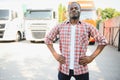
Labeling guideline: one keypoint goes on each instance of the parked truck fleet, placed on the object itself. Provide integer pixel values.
(33, 21)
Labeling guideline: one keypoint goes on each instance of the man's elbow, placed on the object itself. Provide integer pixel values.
(48, 41)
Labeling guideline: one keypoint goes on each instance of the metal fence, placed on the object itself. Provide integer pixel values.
(112, 35)
(111, 30)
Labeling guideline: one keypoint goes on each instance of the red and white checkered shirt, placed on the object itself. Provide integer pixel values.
(81, 42)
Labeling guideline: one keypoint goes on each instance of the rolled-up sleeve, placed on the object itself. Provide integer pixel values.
(49, 38)
(97, 36)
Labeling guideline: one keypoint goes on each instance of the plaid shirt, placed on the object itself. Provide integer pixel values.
(81, 42)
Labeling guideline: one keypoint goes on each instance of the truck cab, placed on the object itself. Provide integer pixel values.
(11, 27)
(38, 23)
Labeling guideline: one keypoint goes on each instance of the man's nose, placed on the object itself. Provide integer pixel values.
(74, 9)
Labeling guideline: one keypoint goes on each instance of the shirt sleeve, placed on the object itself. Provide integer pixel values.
(49, 38)
(97, 36)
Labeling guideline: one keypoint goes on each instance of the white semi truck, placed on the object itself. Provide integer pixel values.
(38, 23)
(11, 27)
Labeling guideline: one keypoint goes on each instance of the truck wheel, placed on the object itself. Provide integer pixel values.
(91, 43)
(18, 37)
(32, 41)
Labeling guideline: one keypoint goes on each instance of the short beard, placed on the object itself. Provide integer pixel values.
(74, 17)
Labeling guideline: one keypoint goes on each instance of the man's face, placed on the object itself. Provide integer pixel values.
(74, 11)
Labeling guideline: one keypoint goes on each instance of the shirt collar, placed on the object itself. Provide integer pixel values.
(67, 22)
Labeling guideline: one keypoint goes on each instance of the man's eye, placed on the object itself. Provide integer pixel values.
(71, 8)
(76, 8)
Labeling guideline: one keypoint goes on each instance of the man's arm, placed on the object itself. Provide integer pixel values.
(97, 51)
(87, 59)
(102, 42)
(49, 42)
(57, 56)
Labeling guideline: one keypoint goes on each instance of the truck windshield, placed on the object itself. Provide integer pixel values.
(38, 14)
(87, 15)
(4, 14)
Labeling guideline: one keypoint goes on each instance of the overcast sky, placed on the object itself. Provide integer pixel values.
(103, 3)
(98, 3)
(108, 3)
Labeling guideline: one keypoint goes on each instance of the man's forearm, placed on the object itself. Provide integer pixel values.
(97, 51)
(57, 56)
(50, 46)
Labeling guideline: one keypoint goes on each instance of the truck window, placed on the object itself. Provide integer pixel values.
(4, 14)
(87, 15)
(41, 14)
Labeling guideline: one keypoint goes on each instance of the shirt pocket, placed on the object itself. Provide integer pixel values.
(83, 37)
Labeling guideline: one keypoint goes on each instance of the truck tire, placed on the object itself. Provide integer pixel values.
(18, 37)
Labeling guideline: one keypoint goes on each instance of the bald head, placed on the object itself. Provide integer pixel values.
(74, 3)
(74, 10)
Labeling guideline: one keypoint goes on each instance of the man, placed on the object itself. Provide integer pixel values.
(73, 43)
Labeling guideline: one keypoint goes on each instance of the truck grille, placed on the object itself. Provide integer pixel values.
(38, 34)
(1, 34)
(38, 30)
(2, 26)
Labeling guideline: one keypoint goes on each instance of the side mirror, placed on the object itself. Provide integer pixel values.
(54, 15)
